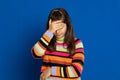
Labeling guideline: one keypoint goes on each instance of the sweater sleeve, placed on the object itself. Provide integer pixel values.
(38, 50)
(76, 67)
(77, 60)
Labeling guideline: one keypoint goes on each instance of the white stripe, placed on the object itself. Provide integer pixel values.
(44, 41)
(39, 49)
(62, 71)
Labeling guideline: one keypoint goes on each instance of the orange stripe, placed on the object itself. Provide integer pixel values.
(78, 56)
(58, 71)
(56, 58)
(46, 37)
(43, 68)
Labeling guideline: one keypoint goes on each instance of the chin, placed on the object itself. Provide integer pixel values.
(59, 36)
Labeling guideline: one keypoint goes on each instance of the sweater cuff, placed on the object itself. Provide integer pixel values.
(49, 34)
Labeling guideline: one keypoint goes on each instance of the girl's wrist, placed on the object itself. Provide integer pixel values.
(50, 31)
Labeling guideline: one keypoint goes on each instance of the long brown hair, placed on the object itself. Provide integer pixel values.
(61, 14)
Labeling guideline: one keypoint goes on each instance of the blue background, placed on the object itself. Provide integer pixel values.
(96, 22)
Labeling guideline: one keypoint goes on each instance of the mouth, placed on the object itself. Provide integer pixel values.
(59, 35)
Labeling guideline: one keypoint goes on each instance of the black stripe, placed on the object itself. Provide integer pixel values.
(54, 64)
(42, 43)
(45, 39)
(62, 77)
(78, 53)
(60, 72)
(64, 70)
(77, 71)
(33, 53)
(80, 61)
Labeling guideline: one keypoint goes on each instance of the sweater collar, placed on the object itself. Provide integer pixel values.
(61, 39)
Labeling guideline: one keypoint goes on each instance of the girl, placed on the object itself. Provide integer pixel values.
(61, 51)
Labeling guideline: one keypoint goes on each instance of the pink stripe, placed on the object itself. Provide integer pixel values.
(79, 50)
(58, 53)
(78, 68)
(79, 41)
(61, 44)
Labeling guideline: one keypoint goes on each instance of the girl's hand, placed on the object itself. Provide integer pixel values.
(45, 74)
(55, 25)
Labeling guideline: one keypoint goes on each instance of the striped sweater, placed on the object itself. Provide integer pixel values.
(63, 65)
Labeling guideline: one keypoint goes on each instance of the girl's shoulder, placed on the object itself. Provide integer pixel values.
(78, 43)
(77, 39)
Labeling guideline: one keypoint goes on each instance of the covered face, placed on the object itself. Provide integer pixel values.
(60, 32)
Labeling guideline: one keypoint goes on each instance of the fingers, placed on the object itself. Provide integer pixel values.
(55, 25)
(50, 21)
(60, 26)
(43, 77)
